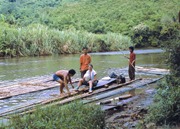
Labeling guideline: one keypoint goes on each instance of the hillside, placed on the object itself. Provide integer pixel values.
(97, 16)
(146, 23)
(117, 16)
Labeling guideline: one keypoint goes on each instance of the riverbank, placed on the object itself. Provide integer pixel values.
(132, 115)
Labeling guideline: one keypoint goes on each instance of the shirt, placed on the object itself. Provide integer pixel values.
(89, 75)
(132, 58)
(85, 60)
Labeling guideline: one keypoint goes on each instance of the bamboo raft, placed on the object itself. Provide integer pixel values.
(102, 92)
(64, 99)
(34, 85)
(37, 84)
(155, 71)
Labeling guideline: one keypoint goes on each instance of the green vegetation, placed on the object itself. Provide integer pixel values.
(144, 22)
(37, 39)
(72, 116)
(166, 109)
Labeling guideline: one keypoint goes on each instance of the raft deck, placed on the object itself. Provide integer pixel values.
(39, 84)
(99, 94)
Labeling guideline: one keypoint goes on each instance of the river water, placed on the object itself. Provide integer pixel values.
(14, 70)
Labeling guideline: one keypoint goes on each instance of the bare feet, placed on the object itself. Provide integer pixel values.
(62, 95)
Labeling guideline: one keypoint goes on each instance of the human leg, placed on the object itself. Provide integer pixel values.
(79, 84)
(90, 86)
(131, 72)
(60, 81)
(61, 86)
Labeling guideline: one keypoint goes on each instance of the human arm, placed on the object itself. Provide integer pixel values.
(70, 81)
(81, 62)
(126, 57)
(95, 78)
(66, 84)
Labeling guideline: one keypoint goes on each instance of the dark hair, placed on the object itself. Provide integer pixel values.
(132, 48)
(84, 48)
(72, 71)
(91, 65)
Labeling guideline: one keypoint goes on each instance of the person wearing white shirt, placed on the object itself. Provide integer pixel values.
(90, 78)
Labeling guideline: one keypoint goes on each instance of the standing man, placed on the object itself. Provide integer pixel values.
(85, 60)
(63, 77)
(132, 59)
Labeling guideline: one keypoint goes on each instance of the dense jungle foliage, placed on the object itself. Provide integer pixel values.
(106, 22)
(166, 109)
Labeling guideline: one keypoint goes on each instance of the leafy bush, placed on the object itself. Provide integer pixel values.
(172, 46)
(166, 109)
(141, 34)
(72, 116)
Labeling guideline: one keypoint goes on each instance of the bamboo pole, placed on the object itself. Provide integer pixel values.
(110, 106)
(122, 97)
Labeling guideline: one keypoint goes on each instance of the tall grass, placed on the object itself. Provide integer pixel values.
(37, 39)
(72, 116)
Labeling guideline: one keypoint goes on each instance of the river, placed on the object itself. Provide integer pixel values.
(15, 70)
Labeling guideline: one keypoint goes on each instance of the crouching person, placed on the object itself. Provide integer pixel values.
(90, 78)
(64, 77)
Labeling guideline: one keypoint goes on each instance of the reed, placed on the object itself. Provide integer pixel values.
(37, 40)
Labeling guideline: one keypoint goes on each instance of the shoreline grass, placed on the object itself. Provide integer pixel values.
(38, 40)
(75, 115)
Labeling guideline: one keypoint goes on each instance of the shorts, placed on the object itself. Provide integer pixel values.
(57, 78)
(83, 72)
(87, 84)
